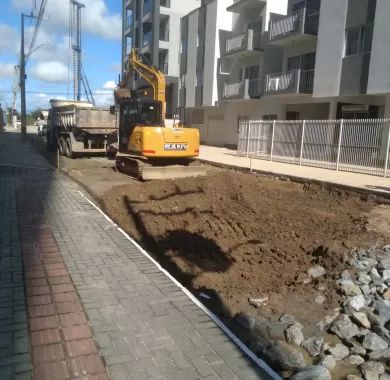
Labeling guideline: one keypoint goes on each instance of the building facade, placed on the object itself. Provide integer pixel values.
(153, 27)
(299, 59)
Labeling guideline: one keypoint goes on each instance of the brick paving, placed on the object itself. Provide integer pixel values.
(95, 303)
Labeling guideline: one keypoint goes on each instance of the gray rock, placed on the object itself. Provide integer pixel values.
(384, 263)
(375, 320)
(357, 302)
(365, 290)
(339, 351)
(258, 302)
(386, 248)
(361, 319)
(344, 328)
(245, 321)
(372, 370)
(355, 348)
(364, 278)
(363, 332)
(374, 342)
(380, 355)
(376, 277)
(320, 299)
(345, 275)
(383, 332)
(382, 308)
(366, 263)
(386, 274)
(317, 372)
(329, 362)
(316, 271)
(353, 361)
(257, 346)
(294, 334)
(288, 320)
(385, 376)
(313, 345)
(350, 289)
(328, 320)
(284, 356)
(354, 377)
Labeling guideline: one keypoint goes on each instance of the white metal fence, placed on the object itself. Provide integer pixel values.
(361, 146)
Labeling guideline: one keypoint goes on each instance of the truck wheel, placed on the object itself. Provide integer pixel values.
(61, 146)
(68, 148)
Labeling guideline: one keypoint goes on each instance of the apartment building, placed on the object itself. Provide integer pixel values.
(300, 59)
(200, 52)
(153, 27)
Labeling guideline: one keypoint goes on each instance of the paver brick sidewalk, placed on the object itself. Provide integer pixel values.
(96, 306)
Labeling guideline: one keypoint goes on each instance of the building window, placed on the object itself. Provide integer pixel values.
(183, 46)
(165, 3)
(358, 40)
(182, 81)
(270, 117)
(199, 77)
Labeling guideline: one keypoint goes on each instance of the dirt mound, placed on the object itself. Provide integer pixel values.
(246, 236)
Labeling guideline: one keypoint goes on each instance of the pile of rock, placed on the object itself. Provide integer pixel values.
(360, 341)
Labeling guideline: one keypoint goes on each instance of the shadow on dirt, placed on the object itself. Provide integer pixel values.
(197, 252)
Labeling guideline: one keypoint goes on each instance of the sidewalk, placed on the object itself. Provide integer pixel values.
(355, 180)
(79, 300)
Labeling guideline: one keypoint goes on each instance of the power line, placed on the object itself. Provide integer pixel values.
(37, 25)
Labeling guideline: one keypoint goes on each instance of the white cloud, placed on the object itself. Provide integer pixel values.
(8, 38)
(96, 17)
(53, 71)
(6, 70)
(110, 85)
(103, 98)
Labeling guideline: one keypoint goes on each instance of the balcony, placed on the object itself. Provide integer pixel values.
(290, 82)
(245, 89)
(164, 34)
(163, 67)
(300, 26)
(241, 6)
(244, 44)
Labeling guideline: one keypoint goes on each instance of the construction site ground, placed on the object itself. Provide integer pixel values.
(237, 235)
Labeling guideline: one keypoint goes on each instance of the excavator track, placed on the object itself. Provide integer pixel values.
(144, 170)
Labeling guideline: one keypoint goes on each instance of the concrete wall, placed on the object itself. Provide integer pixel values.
(298, 49)
(330, 47)
(379, 78)
(191, 57)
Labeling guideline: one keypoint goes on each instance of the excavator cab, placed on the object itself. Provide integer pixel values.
(136, 113)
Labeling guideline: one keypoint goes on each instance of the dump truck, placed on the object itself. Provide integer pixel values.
(76, 127)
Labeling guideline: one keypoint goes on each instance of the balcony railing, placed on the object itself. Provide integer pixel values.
(297, 23)
(147, 40)
(129, 22)
(248, 41)
(164, 34)
(163, 67)
(245, 89)
(148, 6)
(290, 82)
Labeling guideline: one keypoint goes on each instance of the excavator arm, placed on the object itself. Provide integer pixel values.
(149, 73)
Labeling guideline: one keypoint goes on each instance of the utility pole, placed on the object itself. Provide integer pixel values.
(15, 91)
(23, 77)
(23, 81)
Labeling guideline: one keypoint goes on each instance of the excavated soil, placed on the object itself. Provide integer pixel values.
(236, 236)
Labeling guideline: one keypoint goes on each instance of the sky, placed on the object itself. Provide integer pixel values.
(50, 66)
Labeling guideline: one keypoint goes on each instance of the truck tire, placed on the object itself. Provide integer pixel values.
(68, 148)
(62, 146)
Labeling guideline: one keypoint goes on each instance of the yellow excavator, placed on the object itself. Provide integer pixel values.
(148, 149)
